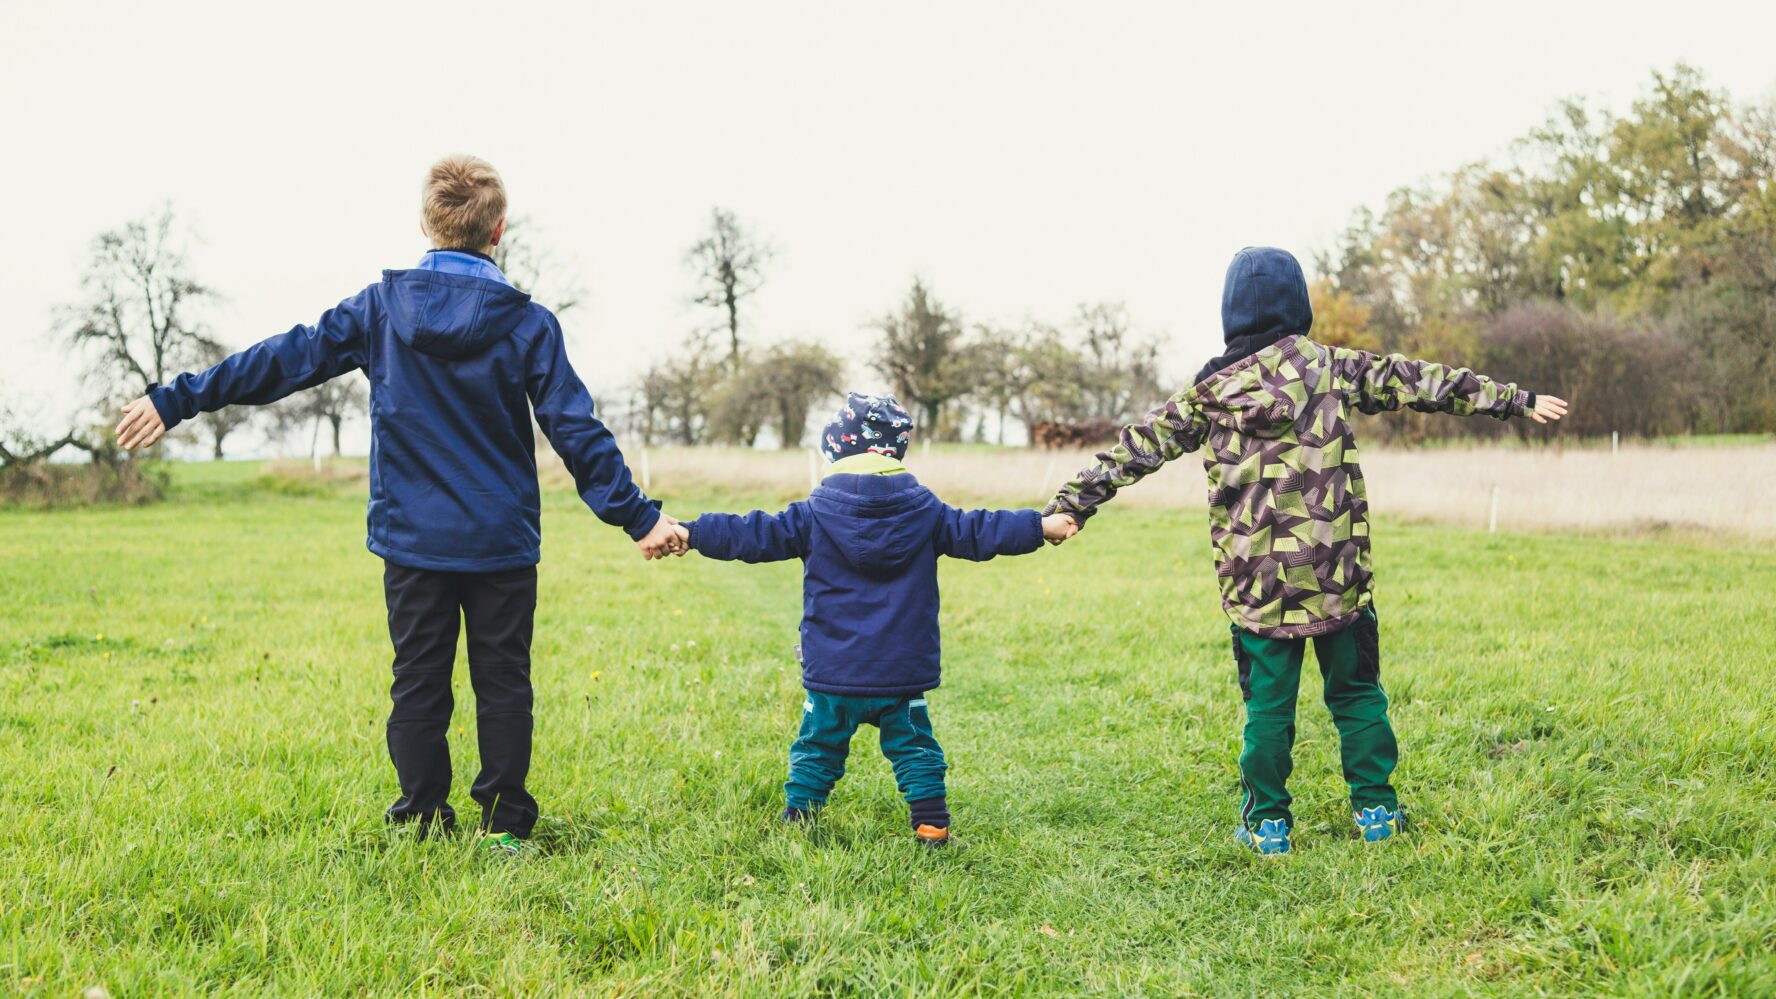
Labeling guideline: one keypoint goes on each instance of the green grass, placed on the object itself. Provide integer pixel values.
(192, 776)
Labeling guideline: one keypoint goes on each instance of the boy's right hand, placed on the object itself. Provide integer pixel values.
(1547, 409)
(1058, 527)
(141, 425)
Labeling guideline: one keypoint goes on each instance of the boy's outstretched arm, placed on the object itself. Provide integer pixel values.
(754, 537)
(565, 412)
(263, 373)
(1176, 428)
(1381, 383)
(979, 535)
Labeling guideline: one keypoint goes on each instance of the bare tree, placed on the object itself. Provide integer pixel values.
(330, 404)
(534, 268)
(140, 315)
(675, 394)
(729, 263)
(1122, 369)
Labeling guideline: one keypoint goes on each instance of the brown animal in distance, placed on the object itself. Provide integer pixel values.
(1057, 436)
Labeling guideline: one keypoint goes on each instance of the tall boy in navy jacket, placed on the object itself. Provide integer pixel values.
(456, 358)
(869, 538)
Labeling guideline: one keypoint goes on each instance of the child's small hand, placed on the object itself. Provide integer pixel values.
(1058, 527)
(669, 537)
(1547, 409)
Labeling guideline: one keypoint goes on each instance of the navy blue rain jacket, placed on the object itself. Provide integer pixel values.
(455, 364)
(869, 545)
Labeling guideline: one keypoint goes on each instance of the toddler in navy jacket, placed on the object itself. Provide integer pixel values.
(869, 538)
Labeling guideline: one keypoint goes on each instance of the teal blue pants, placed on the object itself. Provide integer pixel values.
(817, 757)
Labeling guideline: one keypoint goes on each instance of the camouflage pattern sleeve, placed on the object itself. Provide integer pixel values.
(1173, 429)
(1385, 383)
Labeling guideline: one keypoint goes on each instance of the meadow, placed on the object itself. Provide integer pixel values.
(193, 772)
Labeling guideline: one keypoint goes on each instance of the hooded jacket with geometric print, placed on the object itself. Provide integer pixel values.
(1288, 513)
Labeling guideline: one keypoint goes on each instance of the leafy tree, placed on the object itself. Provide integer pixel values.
(1339, 320)
(790, 380)
(921, 353)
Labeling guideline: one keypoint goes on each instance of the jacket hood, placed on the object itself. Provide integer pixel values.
(1264, 300)
(1245, 399)
(451, 315)
(879, 523)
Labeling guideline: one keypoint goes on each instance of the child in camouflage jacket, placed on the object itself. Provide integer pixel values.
(1290, 522)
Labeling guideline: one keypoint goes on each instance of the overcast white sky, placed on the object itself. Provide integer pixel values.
(1023, 157)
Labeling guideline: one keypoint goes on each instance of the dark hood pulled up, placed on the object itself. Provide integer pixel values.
(1264, 300)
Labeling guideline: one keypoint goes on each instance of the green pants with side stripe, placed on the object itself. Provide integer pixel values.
(1270, 678)
(817, 757)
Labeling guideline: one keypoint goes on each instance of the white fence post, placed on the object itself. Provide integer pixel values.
(1492, 521)
(1615, 441)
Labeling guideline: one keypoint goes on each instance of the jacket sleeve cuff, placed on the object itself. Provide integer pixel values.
(640, 526)
(1034, 530)
(162, 399)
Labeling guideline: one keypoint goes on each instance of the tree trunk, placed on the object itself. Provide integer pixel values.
(216, 451)
(733, 330)
(336, 421)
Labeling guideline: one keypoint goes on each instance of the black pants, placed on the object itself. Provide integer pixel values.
(424, 611)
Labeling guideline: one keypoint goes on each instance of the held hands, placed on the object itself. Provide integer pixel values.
(1058, 527)
(141, 425)
(1547, 409)
(669, 537)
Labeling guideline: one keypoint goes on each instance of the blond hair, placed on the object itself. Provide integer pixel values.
(463, 200)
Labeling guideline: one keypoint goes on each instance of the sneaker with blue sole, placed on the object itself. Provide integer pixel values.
(1270, 839)
(1377, 823)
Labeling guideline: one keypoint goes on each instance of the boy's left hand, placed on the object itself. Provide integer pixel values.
(1548, 409)
(1058, 527)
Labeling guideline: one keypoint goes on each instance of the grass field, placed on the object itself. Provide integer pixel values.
(192, 775)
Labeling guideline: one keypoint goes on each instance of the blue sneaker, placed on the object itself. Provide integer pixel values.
(1378, 823)
(1271, 839)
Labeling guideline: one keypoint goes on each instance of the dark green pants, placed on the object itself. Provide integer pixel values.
(817, 757)
(1270, 677)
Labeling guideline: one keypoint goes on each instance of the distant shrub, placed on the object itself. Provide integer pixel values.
(108, 478)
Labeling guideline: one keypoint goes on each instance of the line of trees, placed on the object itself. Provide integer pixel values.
(961, 381)
(1626, 262)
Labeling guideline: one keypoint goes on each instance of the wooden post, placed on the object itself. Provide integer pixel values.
(1615, 441)
(1492, 521)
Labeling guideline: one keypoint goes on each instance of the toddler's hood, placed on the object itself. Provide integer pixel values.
(879, 523)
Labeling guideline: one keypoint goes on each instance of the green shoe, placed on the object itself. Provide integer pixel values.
(502, 843)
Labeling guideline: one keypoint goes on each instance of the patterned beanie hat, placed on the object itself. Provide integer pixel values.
(868, 424)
